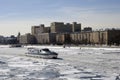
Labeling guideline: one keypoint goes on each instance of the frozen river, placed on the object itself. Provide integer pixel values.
(74, 63)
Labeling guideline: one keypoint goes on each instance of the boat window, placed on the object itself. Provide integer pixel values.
(45, 49)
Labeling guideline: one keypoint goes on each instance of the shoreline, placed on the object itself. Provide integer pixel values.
(68, 45)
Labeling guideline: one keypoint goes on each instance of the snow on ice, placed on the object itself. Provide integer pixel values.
(74, 63)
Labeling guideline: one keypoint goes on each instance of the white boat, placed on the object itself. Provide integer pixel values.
(41, 53)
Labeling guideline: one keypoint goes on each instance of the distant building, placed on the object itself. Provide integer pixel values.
(27, 39)
(18, 37)
(80, 38)
(76, 27)
(10, 40)
(60, 33)
(87, 29)
(108, 37)
(57, 27)
(46, 38)
(113, 37)
(47, 30)
(35, 30)
(63, 38)
(74, 38)
(2, 40)
(60, 27)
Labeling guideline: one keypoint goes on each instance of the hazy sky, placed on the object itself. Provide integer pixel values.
(19, 15)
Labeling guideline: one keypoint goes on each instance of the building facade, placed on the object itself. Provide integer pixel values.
(27, 39)
(76, 27)
(63, 38)
(35, 30)
(87, 29)
(2, 40)
(113, 37)
(60, 27)
(60, 33)
(46, 38)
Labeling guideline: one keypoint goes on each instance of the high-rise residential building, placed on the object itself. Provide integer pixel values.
(60, 27)
(76, 27)
(37, 29)
(57, 27)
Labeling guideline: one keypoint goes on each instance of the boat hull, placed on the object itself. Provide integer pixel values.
(42, 56)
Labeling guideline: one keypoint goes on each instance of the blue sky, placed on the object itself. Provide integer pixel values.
(19, 15)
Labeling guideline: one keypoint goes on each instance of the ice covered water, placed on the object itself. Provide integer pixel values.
(73, 63)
